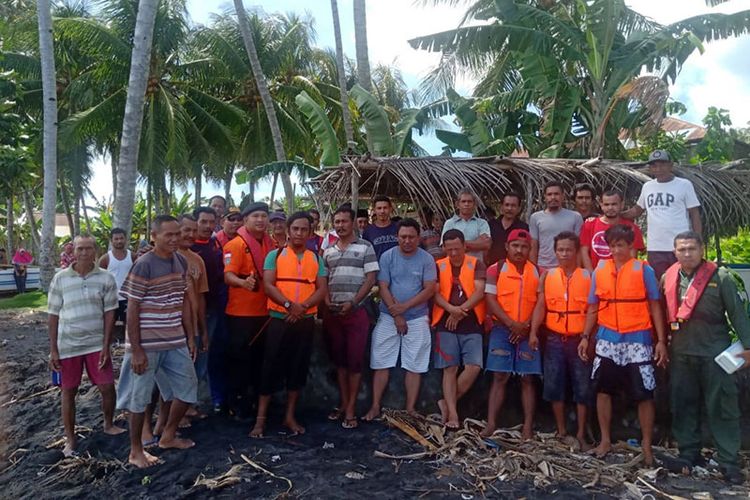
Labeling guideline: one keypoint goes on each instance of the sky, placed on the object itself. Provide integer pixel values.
(719, 77)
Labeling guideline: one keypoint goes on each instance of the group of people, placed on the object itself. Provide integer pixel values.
(228, 295)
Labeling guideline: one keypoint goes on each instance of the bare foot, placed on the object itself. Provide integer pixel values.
(259, 428)
(601, 450)
(648, 456)
(413, 412)
(488, 430)
(373, 414)
(527, 434)
(184, 423)
(453, 424)
(142, 459)
(70, 449)
(585, 446)
(443, 410)
(193, 412)
(291, 424)
(113, 430)
(176, 442)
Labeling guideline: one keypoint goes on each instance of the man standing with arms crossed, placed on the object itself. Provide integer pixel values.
(81, 306)
(159, 344)
(561, 310)
(295, 283)
(476, 231)
(118, 261)
(548, 223)
(593, 245)
(671, 206)
(247, 308)
(511, 296)
(624, 302)
(352, 271)
(457, 316)
(700, 297)
(406, 281)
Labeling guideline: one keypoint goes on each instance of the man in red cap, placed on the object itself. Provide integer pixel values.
(511, 289)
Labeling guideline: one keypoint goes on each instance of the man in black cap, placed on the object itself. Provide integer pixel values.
(672, 207)
(247, 307)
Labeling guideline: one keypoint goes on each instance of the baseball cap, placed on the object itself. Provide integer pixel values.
(277, 216)
(255, 207)
(658, 155)
(519, 234)
(232, 211)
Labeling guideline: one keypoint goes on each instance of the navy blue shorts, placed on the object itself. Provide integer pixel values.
(563, 368)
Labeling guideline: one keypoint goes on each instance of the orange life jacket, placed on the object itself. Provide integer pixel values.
(517, 293)
(294, 278)
(566, 300)
(623, 300)
(465, 278)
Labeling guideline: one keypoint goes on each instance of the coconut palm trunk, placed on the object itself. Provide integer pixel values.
(363, 59)
(132, 122)
(10, 226)
(49, 141)
(265, 96)
(348, 130)
(29, 207)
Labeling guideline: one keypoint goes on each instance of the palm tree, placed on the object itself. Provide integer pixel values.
(363, 59)
(127, 165)
(49, 90)
(579, 64)
(265, 96)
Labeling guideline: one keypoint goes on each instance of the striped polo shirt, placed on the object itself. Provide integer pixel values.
(80, 303)
(159, 285)
(347, 268)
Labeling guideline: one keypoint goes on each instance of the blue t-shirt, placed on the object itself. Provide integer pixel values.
(382, 238)
(405, 276)
(638, 337)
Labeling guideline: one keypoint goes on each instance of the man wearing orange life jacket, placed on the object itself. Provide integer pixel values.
(295, 282)
(700, 297)
(624, 301)
(457, 316)
(561, 312)
(511, 294)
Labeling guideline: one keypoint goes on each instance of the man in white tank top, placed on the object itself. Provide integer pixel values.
(118, 261)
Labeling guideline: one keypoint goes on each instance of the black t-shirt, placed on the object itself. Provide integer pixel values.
(459, 296)
(499, 236)
(213, 257)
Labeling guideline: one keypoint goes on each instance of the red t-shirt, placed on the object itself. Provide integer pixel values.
(592, 236)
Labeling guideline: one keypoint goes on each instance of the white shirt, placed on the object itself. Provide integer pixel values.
(120, 269)
(666, 205)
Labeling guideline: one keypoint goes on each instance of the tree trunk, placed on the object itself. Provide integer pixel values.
(66, 207)
(29, 207)
(49, 153)
(86, 215)
(113, 164)
(170, 194)
(363, 59)
(265, 96)
(228, 182)
(149, 207)
(348, 129)
(76, 213)
(10, 223)
(273, 190)
(127, 165)
(198, 189)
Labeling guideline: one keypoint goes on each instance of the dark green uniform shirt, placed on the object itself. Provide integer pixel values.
(706, 333)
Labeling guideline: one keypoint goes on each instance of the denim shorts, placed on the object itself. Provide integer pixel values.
(563, 368)
(171, 370)
(505, 357)
(457, 349)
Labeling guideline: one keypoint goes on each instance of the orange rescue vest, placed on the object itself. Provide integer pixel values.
(623, 300)
(566, 300)
(517, 293)
(294, 278)
(465, 278)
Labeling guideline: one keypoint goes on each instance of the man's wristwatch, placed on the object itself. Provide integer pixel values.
(287, 304)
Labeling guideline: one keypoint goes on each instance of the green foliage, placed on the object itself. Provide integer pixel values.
(376, 119)
(734, 249)
(321, 127)
(33, 300)
(718, 143)
(673, 143)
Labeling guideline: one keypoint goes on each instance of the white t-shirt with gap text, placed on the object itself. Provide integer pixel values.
(666, 205)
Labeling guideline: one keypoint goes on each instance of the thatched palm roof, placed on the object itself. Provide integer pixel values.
(434, 181)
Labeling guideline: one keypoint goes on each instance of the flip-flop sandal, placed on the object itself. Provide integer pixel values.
(151, 442)
(675, 464)
(350, 423)
(71, 454)
(335, 414)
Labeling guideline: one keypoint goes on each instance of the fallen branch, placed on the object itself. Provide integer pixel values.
(656, 490)
(32, 396)
(259, 467)
(229, 478)
(409, 431)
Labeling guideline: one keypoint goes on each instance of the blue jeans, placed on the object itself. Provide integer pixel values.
(563, 367)
(20, 282)
(212, 364)
(506, 357)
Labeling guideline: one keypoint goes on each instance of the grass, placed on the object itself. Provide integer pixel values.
(35, 300)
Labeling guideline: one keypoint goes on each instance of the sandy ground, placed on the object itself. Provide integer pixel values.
(326, 462)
